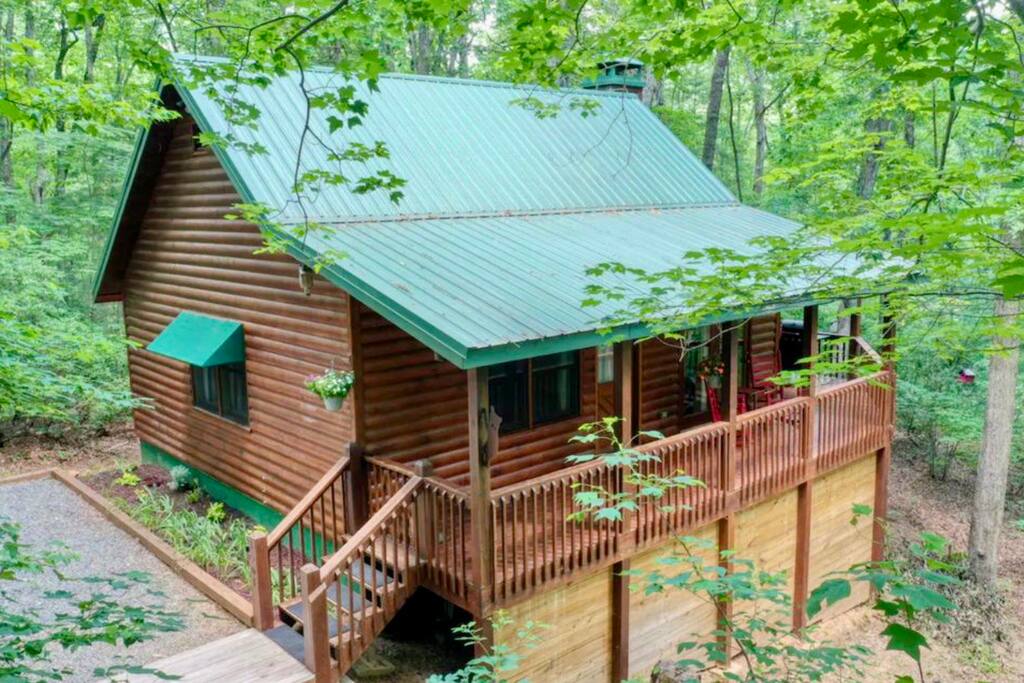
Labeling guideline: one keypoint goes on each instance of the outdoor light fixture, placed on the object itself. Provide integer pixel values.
(306, 276)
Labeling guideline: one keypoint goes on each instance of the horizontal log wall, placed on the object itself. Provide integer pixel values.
(416, 408)
(188, 257)
(661, 387)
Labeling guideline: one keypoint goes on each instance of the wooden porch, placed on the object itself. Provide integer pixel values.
(374, 529)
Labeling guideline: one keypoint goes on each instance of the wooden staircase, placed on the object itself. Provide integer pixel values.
(333, 588)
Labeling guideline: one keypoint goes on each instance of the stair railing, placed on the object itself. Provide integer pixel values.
(371, 576)
(312, 530)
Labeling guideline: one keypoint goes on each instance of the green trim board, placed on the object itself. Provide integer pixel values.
(140, 143)
(260, 513)
(201, 340)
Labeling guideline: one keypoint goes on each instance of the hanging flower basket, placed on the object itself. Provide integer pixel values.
(332, 386)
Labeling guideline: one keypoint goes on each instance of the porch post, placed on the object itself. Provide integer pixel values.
(730, 339)
(481, 547)
(856, 330)
(262, 598)
(625, 355)
(804, 491)
(357, 489)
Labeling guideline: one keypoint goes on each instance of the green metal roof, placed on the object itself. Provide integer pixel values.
(484, 259)
(201, 340)
(464, 147)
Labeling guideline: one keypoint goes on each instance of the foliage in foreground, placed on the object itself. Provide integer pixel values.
(31, 640)
(499, 661)
(210, 541)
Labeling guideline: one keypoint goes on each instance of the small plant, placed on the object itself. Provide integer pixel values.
(499, 661)
(215, 546)
(194, 496)
(332, 386)
(128, 477)
(215, 512)
(182, 479)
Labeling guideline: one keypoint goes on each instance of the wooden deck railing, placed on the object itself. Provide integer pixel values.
(535, 543)
(384, 478)
(698, 453)
(446, 563)
(771, 447)
(853, 418)
(314, 528)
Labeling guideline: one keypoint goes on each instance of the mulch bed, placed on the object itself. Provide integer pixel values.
(157, 480)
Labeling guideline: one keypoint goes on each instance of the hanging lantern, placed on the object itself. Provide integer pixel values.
(966, 376)
(306, 277)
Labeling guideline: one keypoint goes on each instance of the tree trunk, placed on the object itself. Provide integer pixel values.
(994, 462)
(714, 107)
(909, 129)
(6, 125)
(869, 170)
(653, 94)
(93, 32)
(420, 52)
(760, 109)
(37, 186)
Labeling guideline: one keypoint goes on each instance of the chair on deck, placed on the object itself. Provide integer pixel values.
(764, 361)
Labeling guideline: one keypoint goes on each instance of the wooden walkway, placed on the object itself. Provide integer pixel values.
(245, 657)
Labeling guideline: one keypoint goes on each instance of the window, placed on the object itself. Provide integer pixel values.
(605, 364)
(529, 393)
(221, 390)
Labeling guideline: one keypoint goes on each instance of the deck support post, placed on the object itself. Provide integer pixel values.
(731, 332)
(620, 621)
(357, 489)
(315, 636)
(483, 427)
(802, 564)
(262, 599)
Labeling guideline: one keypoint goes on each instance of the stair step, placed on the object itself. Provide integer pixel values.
(288, 640)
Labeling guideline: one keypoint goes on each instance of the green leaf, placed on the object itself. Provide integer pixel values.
(829, 592)
(904, 639)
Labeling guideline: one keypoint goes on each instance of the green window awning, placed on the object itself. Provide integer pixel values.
(201, 340)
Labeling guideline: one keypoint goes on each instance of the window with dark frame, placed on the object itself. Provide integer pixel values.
(221, 390)
(529, 393)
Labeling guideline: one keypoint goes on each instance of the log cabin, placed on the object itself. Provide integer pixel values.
(459, 310)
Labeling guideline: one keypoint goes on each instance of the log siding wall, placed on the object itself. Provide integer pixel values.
(188, 257)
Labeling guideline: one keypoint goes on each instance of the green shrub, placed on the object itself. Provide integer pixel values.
(222, 548)
(215, 512)
(182, 479)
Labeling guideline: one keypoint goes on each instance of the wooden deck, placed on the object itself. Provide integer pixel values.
(245, 657)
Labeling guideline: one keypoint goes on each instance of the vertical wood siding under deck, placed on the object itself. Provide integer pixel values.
(189, 257)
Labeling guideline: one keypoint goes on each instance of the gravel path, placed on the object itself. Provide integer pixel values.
(49, 512)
